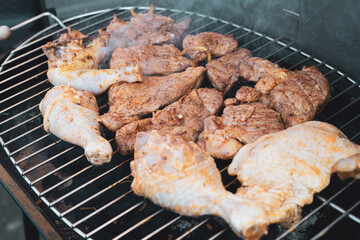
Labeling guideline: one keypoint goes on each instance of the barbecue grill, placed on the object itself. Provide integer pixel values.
(71, 199)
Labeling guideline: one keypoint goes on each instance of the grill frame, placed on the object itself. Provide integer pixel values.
(194, 223)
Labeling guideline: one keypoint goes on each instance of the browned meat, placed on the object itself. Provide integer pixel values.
(224, 72)
(248, 94)
(224, 136)
(72, 34)
(301, 96)
(183, 118)
(147, 28)
(130, 101)
(154, 60)
(267, 74)
(198, 47)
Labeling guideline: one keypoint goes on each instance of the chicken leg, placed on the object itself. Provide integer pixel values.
(73, 64)
(180, 176)
(280, 172)
(70, 115)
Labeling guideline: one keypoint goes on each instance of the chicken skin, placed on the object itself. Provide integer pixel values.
(70, 115)
(281, 172)
(180, 176)
(73, 64)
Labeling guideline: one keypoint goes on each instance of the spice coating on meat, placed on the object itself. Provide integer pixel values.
(224, 136)
(301, 96)
(184, 118)
(198, 46)
(146, 29)
(224, 72)
(70, 115)
(266, 74)
(71, 63)
(281, 172)
(130, 101)
(182, 177)
(154, 60)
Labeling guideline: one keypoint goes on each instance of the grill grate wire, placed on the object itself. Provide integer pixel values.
(98, 201)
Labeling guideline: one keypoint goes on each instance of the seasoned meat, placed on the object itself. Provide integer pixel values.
(224, 136)
(154, 60)
(73, 63)
(128, 102)
(198, 47)
(146, 29)
(70, 115)
(182, 177)
(301, 96)
(184, 118)
(224, 72)
(267, 74)
(248, 94)
(281, 172)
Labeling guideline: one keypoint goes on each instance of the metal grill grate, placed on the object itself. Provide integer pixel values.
(97, 202)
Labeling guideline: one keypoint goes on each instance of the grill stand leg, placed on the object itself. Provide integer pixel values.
(31, 232)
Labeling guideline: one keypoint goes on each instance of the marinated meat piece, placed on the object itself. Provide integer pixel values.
(281, 172)
(73, 64)
(146, 29)
(184, 118)
(207, 44)
(70, 115)
(267, 74)
(128, 102)
(301, 96)
(154, 60)
(182, 177)
(248, 94)
(71, 34)
(224, 136)
(224, 72)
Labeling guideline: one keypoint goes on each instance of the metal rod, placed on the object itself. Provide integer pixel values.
(315, 210)
(327, 228)
(94, 195)
(102, 208)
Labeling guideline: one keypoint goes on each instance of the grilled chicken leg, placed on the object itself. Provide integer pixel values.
(180, 176)
(73, 64)
(70, 115)
(281, 172)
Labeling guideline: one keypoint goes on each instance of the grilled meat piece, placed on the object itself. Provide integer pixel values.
(70, 115)
(266, 74)
(128, 102)
(224, 136)
(73, 64)
(184, 118)
(154, 60)
(301, 96)
(281, 172)
(224, 72)
(298, 98)
(180, 176)
(198, 47)
(146, 29)
(248, 94)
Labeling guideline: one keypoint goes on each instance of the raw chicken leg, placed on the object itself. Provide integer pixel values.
(180, 176)
(281, 172)
(70, 115)
(73, 64)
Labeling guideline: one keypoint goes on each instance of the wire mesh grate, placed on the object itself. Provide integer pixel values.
(97, 202)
